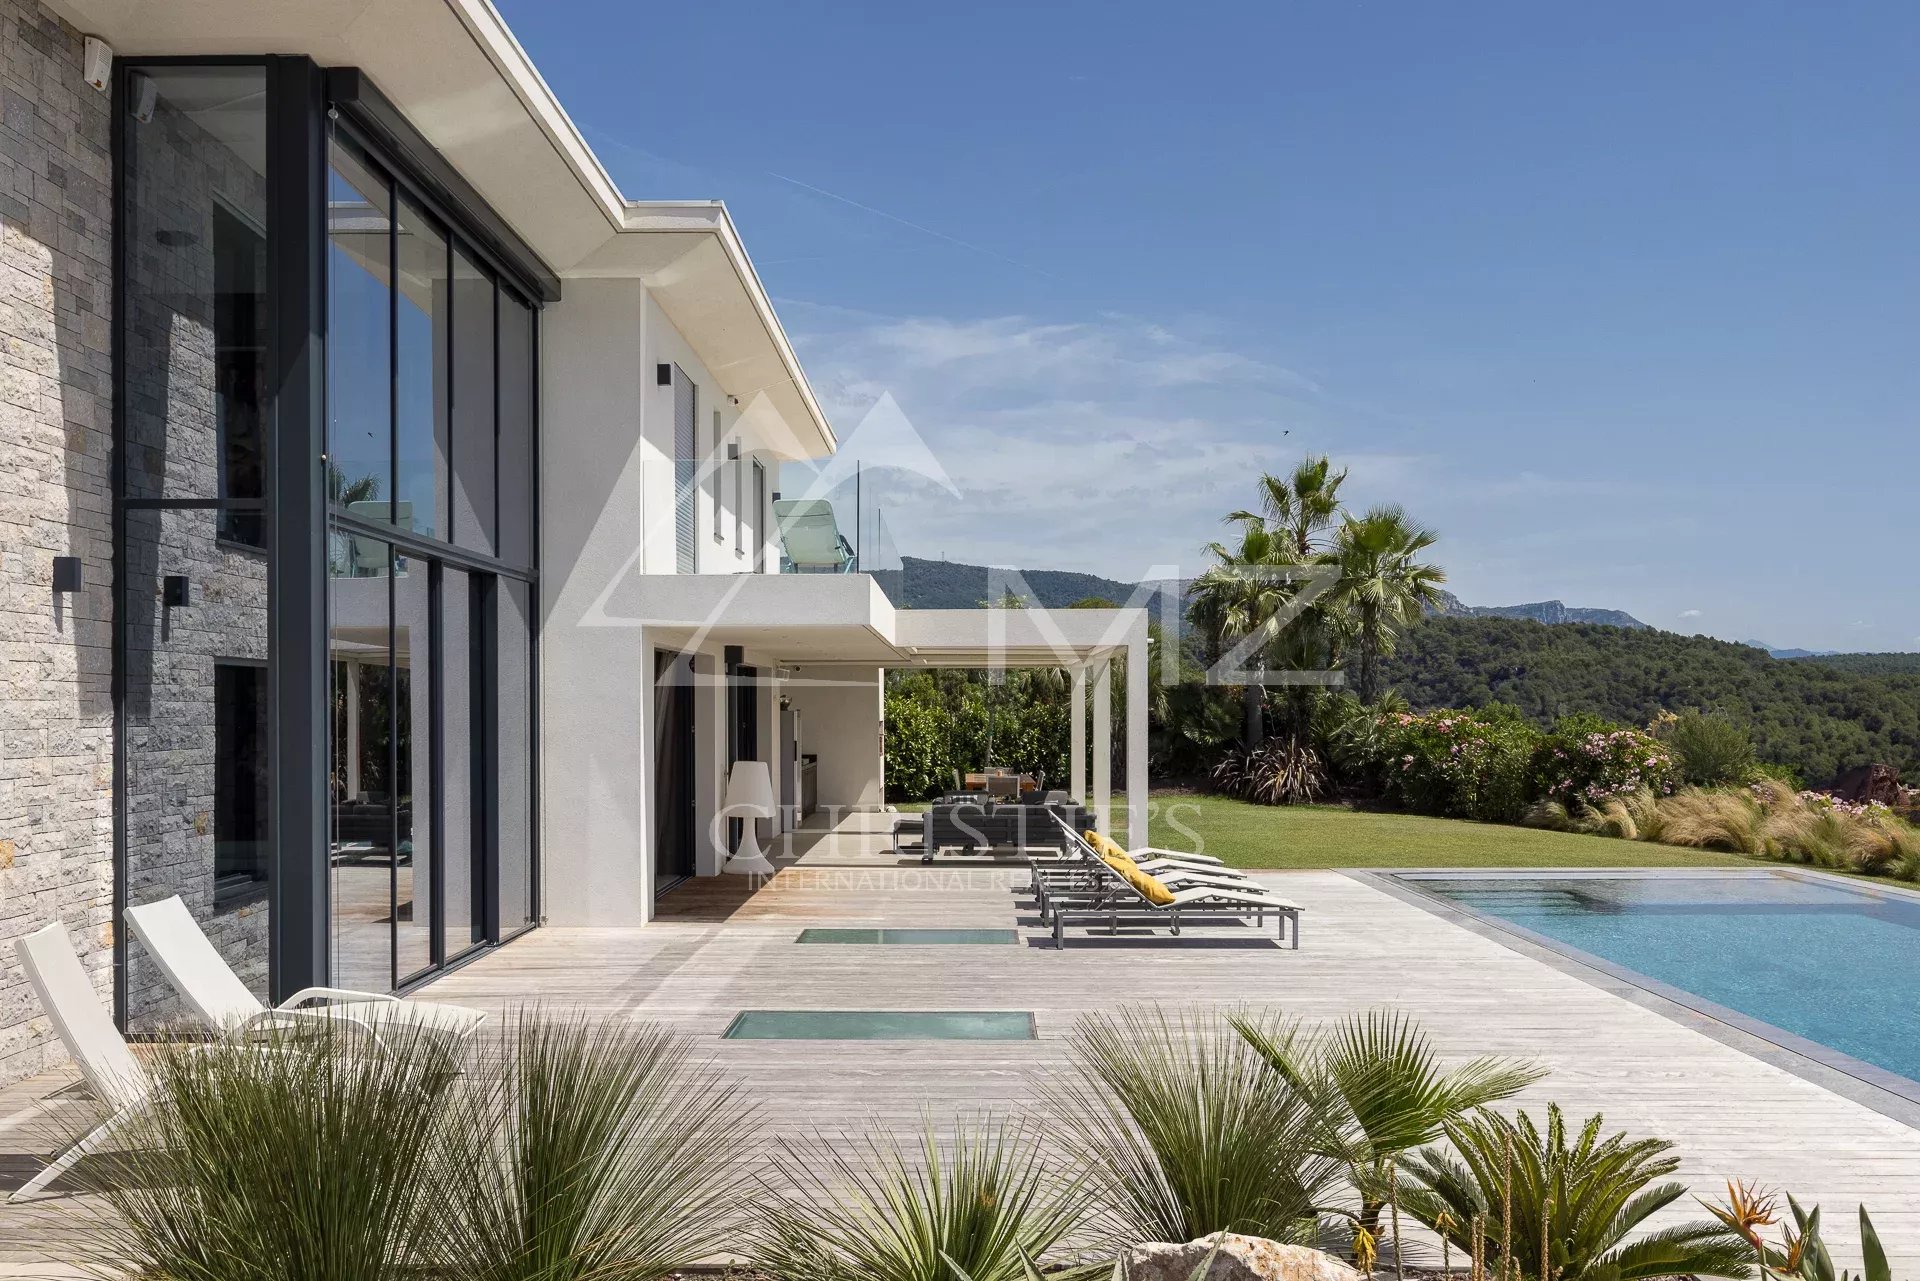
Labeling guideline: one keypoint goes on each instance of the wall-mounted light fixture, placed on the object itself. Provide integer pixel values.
(96, 62)
(663, 375)
(68, 575)
(733, 451)
(174, 592)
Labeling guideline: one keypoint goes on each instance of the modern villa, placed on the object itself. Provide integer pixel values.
(388, 560)
(421, 580)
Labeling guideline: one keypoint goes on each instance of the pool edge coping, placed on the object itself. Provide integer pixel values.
(1885, 1092)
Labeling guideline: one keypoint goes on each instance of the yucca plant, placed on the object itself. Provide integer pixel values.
(983, 1207)
(1191, 1130)
(584, 1150)
(1541, 1208)
(1380, 1089)
(301, 1155)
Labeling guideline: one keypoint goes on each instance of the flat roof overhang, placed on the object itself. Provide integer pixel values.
(462, 81)
(846, 618)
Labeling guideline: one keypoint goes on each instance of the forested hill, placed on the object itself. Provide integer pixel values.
(1813, 715)
(1868, 664)
(941, 584)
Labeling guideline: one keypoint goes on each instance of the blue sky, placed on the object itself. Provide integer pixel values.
(1623, 300)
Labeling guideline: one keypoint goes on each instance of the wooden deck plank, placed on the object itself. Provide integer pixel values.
(724, 945)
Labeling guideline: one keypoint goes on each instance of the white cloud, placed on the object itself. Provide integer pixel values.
(1689, 613)
(1115, 445)
(1112, 445)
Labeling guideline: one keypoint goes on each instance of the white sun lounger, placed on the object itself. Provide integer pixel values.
(208, 984)
(106, 1064)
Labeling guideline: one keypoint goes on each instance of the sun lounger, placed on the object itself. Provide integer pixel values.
(1102, 886)
(208, 984)
(111, 1072)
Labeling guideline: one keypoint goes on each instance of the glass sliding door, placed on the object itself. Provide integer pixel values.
(364, 841)
(431, 413)
(416, 796)
(463, 717)
(513, 751)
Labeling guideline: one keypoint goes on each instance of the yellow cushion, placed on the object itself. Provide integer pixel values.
(1151, 888)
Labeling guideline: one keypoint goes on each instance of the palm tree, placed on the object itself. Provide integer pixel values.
(1241, 596)
(1301, 507)
(1383, 584)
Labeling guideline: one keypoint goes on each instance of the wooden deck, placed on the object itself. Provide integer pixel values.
(723, 945)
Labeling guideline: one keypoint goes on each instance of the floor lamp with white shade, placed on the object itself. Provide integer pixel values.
(749, 796)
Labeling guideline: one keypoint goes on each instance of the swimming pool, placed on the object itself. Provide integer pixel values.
(1813, 957)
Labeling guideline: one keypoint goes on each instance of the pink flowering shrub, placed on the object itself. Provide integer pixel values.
(1491, 764)
(1591, 764)
(1457, 764)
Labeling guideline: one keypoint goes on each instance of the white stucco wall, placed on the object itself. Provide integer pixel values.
(842, 722)
(732, 551)
(595, 672)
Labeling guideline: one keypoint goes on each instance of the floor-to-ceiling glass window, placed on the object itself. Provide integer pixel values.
(431, 420)
(220, 681)
(192, 563)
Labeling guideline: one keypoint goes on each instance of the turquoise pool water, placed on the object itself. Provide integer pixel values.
(1821, 961)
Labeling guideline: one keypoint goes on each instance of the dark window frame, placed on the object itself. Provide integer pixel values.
(298, 107)
(440, 553)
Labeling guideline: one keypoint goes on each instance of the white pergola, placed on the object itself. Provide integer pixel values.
(810, 621)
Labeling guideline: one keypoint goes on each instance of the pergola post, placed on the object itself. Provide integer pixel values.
(1077, 737)
(1103, 745)
(1137, 660)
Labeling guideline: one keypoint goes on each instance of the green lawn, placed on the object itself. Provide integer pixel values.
(1309, 836)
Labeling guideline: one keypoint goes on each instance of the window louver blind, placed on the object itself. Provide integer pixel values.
(686, 470)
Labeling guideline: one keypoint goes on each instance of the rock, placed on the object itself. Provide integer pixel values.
(1241, 1258)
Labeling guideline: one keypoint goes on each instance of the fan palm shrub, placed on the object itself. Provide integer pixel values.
(983, 1207)
(1541, 1205)
(1191, 1130)
(302, 1155)
(1381, 1088)
(603, 1151)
